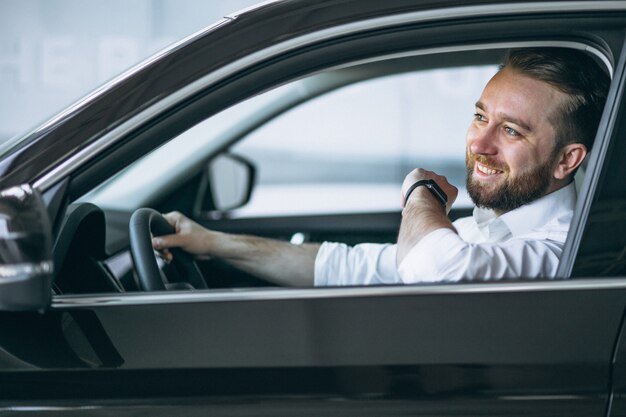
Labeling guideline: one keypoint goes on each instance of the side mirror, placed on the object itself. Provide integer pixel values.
(26, 265)
(226, 184)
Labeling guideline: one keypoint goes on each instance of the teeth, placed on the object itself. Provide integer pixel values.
(486, 170)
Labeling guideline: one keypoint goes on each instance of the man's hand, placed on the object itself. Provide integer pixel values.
(423, 213)
(276, 261)
(425, 196)
(189, 236)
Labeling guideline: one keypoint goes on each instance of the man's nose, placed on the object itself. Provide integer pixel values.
(482, 141)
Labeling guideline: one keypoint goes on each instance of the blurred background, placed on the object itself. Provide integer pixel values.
(53, 52)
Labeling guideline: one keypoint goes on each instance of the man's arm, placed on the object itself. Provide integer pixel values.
(276, 261)
(422, 213)
(524, 257)
(431, 250)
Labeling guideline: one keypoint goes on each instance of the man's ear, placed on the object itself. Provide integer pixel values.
(570, 158)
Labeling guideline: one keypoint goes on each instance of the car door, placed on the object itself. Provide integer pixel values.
(539, 348)
(529, 348)
(543, 348)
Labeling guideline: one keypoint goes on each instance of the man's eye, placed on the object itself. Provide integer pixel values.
(511, 131)
(479, 117)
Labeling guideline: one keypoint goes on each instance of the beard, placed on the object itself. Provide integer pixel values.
(513, 191)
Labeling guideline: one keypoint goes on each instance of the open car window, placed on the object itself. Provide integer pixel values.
(342, 149)
(349, 150)
(334, 143)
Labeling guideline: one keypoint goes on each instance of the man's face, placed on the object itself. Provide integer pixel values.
(511, 152)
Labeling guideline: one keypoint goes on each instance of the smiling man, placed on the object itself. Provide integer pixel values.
(533, 126)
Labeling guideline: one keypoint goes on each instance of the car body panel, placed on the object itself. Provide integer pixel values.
(333, 344)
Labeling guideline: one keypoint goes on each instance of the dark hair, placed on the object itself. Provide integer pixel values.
(574, 73)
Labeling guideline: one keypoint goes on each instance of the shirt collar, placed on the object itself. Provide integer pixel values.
(528, 217)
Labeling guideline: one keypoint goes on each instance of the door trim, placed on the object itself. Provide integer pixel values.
(65, 302)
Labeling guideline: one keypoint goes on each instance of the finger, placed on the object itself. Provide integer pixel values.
(417, 174)
(166, 241)
(166, 255)
(174, 218)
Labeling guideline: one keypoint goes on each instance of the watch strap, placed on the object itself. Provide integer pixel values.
(432, 186)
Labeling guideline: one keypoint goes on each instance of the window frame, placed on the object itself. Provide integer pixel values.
(226, 89)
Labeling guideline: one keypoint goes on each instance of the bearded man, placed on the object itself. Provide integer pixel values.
(533, 126)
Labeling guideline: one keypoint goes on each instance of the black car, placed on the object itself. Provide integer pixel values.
(91, 323)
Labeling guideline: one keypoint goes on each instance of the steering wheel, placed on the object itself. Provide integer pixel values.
(143, 222)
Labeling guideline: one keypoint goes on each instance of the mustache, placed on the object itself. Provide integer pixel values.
(485, 160)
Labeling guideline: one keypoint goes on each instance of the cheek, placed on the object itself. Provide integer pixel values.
(521, 160)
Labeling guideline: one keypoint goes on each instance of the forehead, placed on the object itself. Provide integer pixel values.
(511, 93)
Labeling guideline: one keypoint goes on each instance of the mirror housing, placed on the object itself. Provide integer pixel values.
(226, 184)
(26, 265)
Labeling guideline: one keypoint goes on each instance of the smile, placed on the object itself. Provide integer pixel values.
(487, 170)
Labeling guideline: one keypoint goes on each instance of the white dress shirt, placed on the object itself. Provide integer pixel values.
(526, 242)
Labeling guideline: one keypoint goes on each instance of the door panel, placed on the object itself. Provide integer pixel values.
(478, 348)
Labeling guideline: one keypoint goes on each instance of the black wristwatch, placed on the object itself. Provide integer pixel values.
(432, 187)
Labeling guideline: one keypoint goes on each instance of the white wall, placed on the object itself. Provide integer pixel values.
(52, 52)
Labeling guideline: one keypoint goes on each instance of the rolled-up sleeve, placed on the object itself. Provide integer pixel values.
(443, 256)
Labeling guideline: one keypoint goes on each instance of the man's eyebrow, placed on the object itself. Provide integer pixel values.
(507, 117)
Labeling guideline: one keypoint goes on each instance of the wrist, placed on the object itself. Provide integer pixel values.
(433, 189)
(421, 204)
(213, 244)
